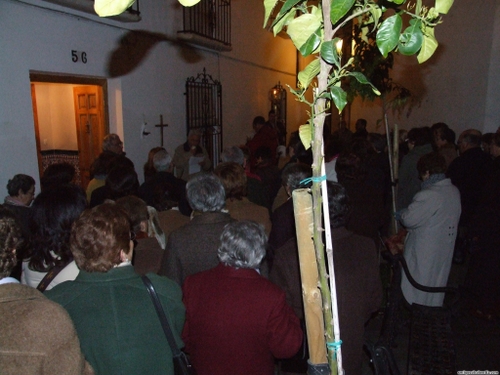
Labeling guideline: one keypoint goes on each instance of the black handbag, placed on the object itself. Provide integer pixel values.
(182, 366)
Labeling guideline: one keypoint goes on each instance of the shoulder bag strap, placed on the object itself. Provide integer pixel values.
(49, 276)
(161, 314)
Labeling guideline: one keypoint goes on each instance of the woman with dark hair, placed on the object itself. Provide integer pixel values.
(36, 335)
(121, 181)
(21, 189)
(116, 321)
(50, 259)
(57, 174)
(234, 179)
(432, 223)
(149, 167)
(419, 144)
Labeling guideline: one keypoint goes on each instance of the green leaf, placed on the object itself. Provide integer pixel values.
(289, 4)
(284, 21)
(269, 7)
(309, 73)
(360, 77)
(339, 9)
(399, 2)
(306, 135)
(109, 8)
(429, 45)
(302, 28)
(388, 34)
(312, 43)
(329, 52)
(411, 39)
(443, 6)
(376, 13)
(339, 97)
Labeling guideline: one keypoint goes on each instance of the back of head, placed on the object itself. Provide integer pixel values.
(294, 174)
(136, 209)
(433, 162)
(57, 174)
(419, 136)
(21, 182)
(205, 193)
(122, 181)
(349, 167)
(233, 178)
(110, 141)
(472, 137)
(338, 204)
(103, 164)
(233, 154)
(162, 160)
(54, 211)
(378, 141)
(11, 240)
(243, 244)
(259, 120)
(98, 236)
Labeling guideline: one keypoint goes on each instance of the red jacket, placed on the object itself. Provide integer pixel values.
(237, 322)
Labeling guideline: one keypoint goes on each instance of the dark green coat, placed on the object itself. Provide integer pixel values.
(116, 322)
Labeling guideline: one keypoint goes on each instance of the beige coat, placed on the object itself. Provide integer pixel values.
(245, 210)
(37, 335)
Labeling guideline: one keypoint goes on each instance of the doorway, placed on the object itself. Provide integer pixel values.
(70, 120)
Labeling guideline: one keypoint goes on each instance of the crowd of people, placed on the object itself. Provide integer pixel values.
(219, 245)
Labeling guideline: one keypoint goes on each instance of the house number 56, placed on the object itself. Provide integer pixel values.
(78, 56)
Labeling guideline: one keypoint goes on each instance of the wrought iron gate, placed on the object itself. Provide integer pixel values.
(204, 112)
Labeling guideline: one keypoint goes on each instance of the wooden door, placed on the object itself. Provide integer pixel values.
(90, 126)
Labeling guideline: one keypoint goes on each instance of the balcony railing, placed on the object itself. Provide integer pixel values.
(208, 23)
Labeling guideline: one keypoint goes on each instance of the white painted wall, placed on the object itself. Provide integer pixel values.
(459, 84)
(56, 117)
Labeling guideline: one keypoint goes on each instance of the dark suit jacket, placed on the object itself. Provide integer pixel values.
(237, 321)
(359, 289)
(193, 247)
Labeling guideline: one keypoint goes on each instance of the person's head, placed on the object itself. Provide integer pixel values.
(233, 154)
(112, 143)
(470, 138)
(137, 211)
(431, 163)
(378, 141)
(121, 181)
(349, 167)
(442, 135)
(162, 161)
(22, 187)
(486, 141)
(54, 211)
(103, 164)
(101, 238)
(205, 193)
(360, 125)
(194, 138)
(297, 151)
(338, 204)
(272, 116)
(293, 176)
(149, 166)
(234, 179)
(418, 137)
(242, 244)
(57, 174)
(495, 145)
(258, 123)
(11, 240)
